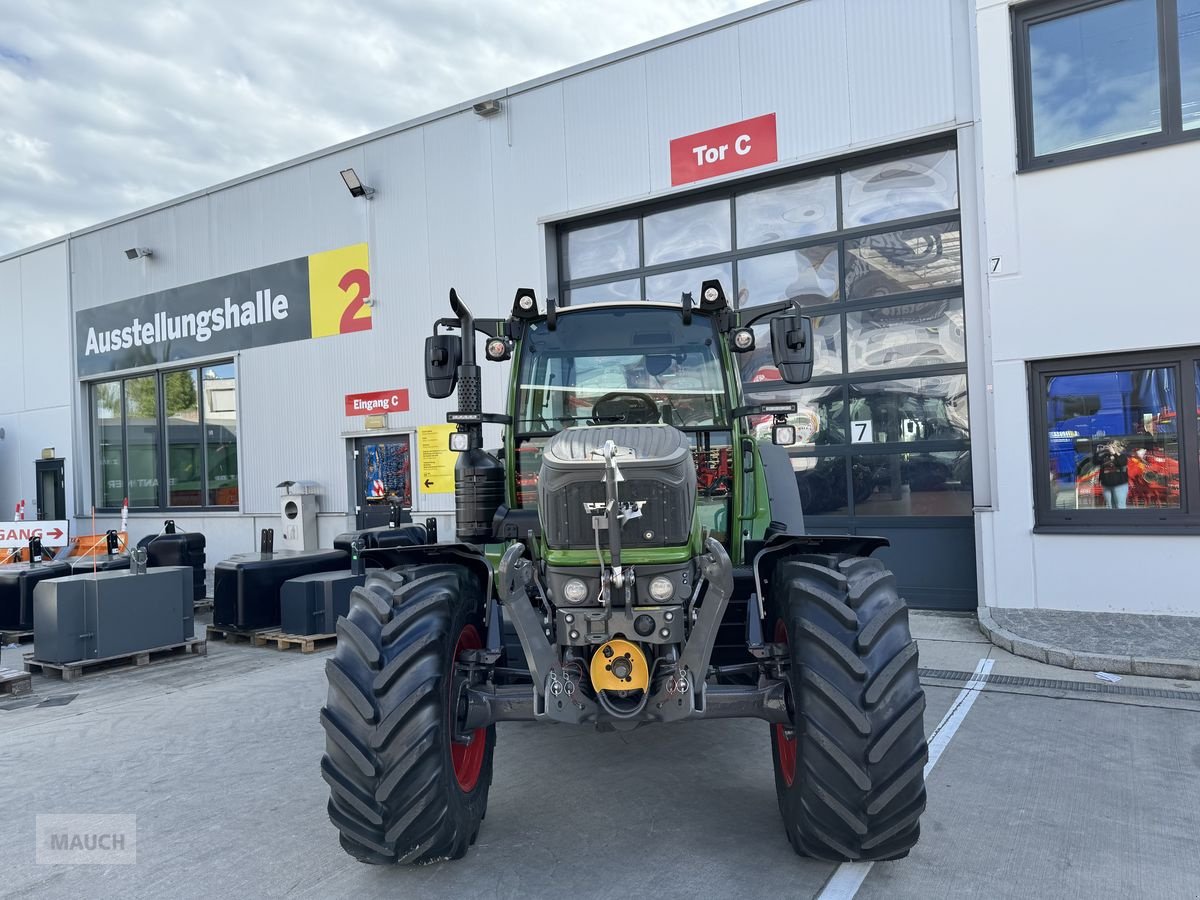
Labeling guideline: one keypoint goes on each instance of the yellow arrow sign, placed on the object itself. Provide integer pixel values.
(436, 459)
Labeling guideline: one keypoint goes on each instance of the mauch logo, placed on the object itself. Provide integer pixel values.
(74, 840)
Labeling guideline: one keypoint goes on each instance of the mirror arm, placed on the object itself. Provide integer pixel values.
(763, 312)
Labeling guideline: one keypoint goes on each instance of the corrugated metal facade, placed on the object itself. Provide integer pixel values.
(463, 200)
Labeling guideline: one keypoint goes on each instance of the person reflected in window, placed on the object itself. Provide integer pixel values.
(1112, 463)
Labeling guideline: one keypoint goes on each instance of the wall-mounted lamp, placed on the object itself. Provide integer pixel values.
(354, 184)
(137, 252)
(487, 108)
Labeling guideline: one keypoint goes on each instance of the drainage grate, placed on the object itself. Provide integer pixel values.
(1079, 687)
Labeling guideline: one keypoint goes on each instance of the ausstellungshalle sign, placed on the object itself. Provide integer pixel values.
(313, 296)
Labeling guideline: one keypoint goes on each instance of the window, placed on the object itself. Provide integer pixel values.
(871, 250)
(1099, 77)
(181, 423)
(1115, 442)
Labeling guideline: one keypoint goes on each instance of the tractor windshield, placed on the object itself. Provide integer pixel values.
(639, 365)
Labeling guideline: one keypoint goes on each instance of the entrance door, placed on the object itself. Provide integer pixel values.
(51, 489)
(383, 480)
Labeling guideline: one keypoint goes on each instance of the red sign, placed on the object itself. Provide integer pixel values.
(377, 402)
(719, 151)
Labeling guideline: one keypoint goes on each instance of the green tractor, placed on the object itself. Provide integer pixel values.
(635, 554)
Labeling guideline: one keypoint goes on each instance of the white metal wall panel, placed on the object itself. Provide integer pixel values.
(901, 57)
(529, 175)
(45, 293)
(10, 466)
(794, 63)
(36, 430)
(604, 112)
(690, 86)
(12, 364)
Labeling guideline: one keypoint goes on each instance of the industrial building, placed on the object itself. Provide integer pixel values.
(915, 173)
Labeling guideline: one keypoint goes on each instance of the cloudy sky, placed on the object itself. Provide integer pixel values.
(107, 106)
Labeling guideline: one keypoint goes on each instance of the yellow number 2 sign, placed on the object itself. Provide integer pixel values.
(338, 282)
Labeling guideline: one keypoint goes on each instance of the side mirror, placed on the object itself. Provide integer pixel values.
(792, 347)
(443, 356)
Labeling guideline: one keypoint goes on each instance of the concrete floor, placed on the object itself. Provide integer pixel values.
(1041, 792)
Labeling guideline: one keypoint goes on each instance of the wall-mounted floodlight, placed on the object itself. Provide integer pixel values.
(487, 108)
(354, 184)
(137, 252)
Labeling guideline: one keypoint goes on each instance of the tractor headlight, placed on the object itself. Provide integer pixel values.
(662, 588)
(575, 591)
(742, 340)
(460, 441)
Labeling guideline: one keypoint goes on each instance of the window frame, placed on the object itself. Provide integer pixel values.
(1171, 131)
(1186, 519)
(162, 458)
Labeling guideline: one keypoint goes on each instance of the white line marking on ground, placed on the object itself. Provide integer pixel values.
(847, 878)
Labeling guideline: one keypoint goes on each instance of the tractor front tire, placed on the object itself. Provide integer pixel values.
(402, 788)
(849, 773)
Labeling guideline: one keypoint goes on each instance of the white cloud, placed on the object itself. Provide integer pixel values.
(111, 107)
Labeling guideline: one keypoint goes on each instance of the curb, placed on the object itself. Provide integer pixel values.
(1064, 657)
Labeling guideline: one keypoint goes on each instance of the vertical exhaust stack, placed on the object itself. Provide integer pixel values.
(478, 475)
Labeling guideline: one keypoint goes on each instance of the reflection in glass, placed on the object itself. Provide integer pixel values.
(630, 289)
(1094, 76)
(670, 286)
(758, 366)
(917, 186)
(141, 430)
(611, 247)
(820, 416)
(1189, 61)
(822, 483)
(528, 466)
(687, 232)
(913, 484)
(909, 410)
(1113, 440)
(220, 429)
(106, 428)
(809, 276)
(787, 212)
(912, 334)
(915, 259)
(185, 445)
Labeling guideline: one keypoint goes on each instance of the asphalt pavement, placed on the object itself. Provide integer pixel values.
(1052, 783)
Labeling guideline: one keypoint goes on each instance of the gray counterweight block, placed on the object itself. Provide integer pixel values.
(311, 604)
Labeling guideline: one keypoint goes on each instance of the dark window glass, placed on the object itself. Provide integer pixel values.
(529, 464)
(915, 259)
(185, 445)
(106, 432)
(912, 484)
(758, 366)
(1094, 76)
(909, 410)
(141, 430)
(687, 232)
(600, 249)
(1189, 61)
(670, 286)
(822, 483)
(808, 276)
(629, 289)
(1113, 440)
(881, 192)
(219, 390)
(787, 212)
(912, 334)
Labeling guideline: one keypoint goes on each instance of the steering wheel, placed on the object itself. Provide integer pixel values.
(631, 409)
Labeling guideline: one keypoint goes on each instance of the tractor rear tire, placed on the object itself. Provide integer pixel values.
(849, 775)
(402, 789)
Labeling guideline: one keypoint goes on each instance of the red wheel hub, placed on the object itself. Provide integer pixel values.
(467, 758)
(786, 746)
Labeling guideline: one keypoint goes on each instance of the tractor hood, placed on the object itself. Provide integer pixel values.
(656, 490)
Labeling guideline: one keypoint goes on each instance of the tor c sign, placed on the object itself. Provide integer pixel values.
(719, 151)
(377, 402)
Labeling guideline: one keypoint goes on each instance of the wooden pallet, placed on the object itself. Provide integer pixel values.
(14, 682)
(15, 637)
(204, 605)
(307, 643)
(72, 670)
(234, 635)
